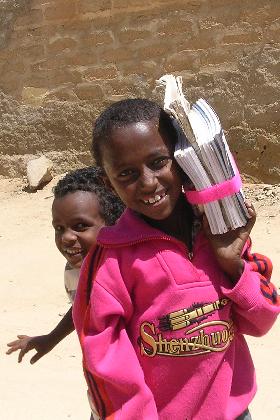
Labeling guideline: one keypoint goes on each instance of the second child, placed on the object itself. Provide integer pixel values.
(81, 206)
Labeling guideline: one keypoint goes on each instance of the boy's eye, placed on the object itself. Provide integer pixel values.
(79, 227)
(58, 229)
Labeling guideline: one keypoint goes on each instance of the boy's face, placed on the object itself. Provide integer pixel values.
(76, 221)
(139, 164)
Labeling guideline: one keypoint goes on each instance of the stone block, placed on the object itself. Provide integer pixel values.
(183, 60)
(152, 50)
(37, 4)
(130, 34)
(91, 40)
(190, 7)
(12, 83)
(176, 25)
(33, 96)
(100, 73)
(43, 75)
(34, 18)
(65, 75)
(124, 4)
(196, 42)
(133, 86)
(148, 68)
(13, 63)
(116, 55)
(96, 22)
(39, 172)
(73, 28)
(242, 38)
(85, 6)
(26, 37)
(88, 91)
(61, 44)
(226, 55)
(81, 58)
(32, 53)
(61, 10)
(61, 93)
(143, 18)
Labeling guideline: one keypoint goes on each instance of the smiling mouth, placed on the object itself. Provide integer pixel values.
(156, 199)
(72, 252)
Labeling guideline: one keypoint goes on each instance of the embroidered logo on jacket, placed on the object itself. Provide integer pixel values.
(206, 337)
(185, 317)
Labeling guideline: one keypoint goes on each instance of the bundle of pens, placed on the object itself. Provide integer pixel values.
(203, 154)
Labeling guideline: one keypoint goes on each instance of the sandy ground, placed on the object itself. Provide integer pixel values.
(33, 301)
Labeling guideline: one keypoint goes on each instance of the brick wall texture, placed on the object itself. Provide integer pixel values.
(63, 61)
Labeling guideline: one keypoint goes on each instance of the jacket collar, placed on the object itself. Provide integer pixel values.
(129, 229)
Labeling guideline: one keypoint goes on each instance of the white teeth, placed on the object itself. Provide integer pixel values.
(155, 199)
(71, 252)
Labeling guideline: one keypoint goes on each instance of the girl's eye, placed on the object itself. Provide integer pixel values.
(160, 162)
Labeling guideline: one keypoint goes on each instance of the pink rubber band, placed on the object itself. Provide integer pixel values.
(215, 192)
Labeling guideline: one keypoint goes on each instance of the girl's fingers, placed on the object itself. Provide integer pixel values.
(250, 208)
(252, 219)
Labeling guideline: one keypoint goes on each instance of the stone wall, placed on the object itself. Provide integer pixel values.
(62, 61)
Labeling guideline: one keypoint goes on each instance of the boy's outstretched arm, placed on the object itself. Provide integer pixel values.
(43, 344)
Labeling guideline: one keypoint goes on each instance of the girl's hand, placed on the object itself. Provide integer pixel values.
(228, 247)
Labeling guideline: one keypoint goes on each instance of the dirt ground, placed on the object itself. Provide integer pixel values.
(33, 301)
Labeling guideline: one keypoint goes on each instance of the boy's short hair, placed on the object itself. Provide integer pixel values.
(90, 179)
(125, 112)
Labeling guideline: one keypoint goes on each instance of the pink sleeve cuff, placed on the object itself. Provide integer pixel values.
(247, 292)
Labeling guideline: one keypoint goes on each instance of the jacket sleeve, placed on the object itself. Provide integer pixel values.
(112, 369)
(256, 301)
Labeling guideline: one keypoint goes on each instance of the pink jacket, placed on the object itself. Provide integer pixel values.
(162, 336)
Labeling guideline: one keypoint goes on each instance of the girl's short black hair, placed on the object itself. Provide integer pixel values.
(123, 113)
(90, 179)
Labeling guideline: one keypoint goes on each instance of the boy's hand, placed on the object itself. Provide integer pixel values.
(42, 344)
(228, 247)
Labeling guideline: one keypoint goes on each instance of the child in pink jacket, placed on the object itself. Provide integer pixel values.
(162, 305)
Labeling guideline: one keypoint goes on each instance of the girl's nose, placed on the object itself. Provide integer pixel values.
(148, 180)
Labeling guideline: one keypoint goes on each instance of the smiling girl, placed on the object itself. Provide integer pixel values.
(162, 329)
